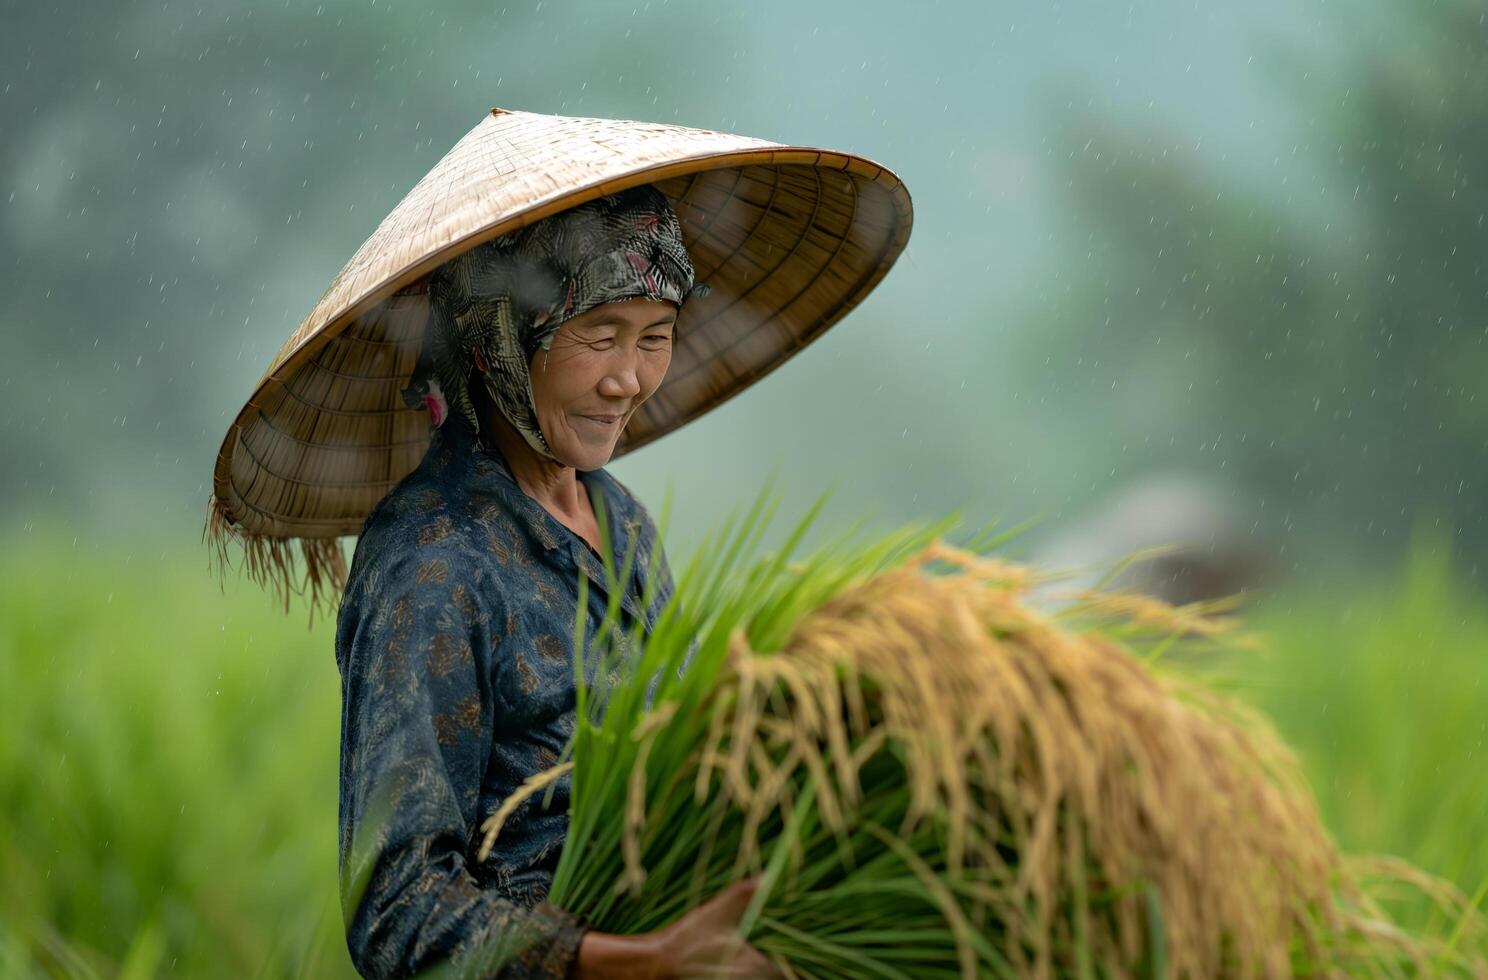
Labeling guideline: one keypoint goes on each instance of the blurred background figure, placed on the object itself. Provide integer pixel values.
(1206, 552)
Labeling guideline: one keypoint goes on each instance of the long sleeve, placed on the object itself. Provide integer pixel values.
(413, 643)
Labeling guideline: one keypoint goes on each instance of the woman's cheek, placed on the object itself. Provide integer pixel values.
(581, 375)
(658, 368)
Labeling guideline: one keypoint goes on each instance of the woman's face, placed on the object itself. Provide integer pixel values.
(603, 364)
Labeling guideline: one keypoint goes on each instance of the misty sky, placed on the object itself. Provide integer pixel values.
(182, 180)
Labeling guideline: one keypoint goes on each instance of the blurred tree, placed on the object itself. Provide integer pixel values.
(1328, 355)
(185, 180)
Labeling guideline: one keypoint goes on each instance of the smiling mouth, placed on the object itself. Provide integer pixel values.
(605, 420)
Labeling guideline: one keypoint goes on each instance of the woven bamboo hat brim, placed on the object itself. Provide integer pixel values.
(789, 238)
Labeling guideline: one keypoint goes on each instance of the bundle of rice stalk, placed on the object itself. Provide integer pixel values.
(938, 779)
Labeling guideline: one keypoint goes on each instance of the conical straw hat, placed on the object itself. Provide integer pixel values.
(789, 238)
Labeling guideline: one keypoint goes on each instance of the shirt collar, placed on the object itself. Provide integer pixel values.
(454, 444)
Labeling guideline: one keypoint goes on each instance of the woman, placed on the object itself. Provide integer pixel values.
(453, 634)
(533, 294)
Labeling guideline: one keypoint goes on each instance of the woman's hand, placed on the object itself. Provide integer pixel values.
(704, 943)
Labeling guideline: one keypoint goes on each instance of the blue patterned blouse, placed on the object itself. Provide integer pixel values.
(454, 643)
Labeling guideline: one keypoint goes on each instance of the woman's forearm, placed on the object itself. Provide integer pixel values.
(603, 954)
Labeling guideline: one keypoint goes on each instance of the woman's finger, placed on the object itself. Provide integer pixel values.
(735, 899)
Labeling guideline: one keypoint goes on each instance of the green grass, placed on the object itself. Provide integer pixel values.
(1384, 693)
(168, 773)
(168, 754)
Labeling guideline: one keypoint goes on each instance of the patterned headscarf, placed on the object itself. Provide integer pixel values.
(493, 307)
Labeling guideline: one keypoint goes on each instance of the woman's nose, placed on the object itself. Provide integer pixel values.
(622, 379)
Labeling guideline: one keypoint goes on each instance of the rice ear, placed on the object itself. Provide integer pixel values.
(271, 562)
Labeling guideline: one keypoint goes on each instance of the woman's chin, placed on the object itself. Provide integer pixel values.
(588, 456)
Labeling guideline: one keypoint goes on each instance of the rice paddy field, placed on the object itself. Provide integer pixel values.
(168, 752)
